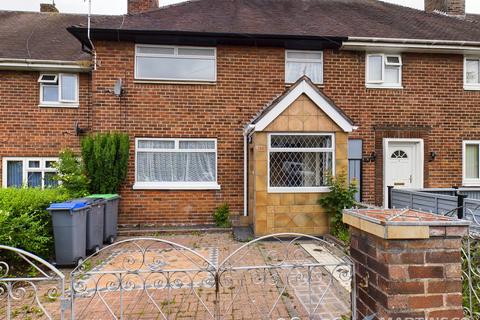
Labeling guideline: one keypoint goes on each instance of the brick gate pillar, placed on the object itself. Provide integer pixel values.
(408, 264)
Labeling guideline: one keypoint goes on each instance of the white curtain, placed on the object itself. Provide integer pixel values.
(473, 71)
(69, 87)
(171, 165)
(295, 70)
(176, 167)
(471, 162)
(375, 63)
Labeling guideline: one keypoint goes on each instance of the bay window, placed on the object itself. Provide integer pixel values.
(172, 63)
(300, 162)
(471, 163)
(59, 90)
(303, 63)
(384, 70)
(29, 172)
(176, 164)
(471, 73)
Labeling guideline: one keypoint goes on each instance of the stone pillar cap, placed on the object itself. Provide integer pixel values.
(403, 223)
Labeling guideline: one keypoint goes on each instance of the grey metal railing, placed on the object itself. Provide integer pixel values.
(462, 203)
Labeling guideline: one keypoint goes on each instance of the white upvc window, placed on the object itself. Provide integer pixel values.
(59, 89)
(471, 73)
(300, 162)
(299, 63)
(173, 63)
(29, 172)
(471, 163)
(383, 70)
(175, 164)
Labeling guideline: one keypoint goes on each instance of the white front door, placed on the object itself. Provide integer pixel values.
(403, 164)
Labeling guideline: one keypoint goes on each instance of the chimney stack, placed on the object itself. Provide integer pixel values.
(48, 7)
(139, 6)
(450, 7)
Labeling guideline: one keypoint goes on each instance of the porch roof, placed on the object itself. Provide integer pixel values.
(303, 86)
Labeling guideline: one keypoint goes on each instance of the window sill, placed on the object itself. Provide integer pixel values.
(60, 105)
(471, 88)
(471, 183)
(182, 82)
(318, 85)
(373, 86)
(176, 186)
(299, 190)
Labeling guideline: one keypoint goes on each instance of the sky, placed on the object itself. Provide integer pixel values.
(120, 6)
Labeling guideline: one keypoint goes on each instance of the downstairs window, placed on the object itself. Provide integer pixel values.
(471, 163)
(300, 162)
(30, 172)
(176, 164)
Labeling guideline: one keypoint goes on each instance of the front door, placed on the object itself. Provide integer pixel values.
(403, 165)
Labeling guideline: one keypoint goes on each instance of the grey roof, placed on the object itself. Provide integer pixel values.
(40, 36)
(329, 18)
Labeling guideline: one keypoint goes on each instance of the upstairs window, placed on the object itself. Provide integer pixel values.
(169, 63)
(384, 70)
(472, 73)
(304, 63)
(59, 89)
(30, 172)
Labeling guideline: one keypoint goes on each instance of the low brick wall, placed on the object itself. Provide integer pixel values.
(407, 275)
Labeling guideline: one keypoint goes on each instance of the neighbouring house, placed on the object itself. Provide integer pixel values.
(249, 102)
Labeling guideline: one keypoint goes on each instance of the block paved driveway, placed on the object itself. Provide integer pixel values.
(249, 291)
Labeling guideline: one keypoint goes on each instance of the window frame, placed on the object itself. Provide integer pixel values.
(304, 60)
(470, 86)
(26, 169)
(60, 103)
(175, 55)
(322, 189)
(469, 182)
(140, 185)
(381, 83)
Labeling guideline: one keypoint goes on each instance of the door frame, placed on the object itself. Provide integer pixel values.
(420, 166)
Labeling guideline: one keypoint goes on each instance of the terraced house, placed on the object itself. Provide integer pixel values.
(249, 102)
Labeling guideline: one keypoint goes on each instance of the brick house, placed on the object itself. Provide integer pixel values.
(242, 102)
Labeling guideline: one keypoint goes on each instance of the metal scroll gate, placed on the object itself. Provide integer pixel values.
(471, 266)
(282, 276)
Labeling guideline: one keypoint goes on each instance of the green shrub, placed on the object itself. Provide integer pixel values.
(341, 196)
(24, 221)
(106, 159)
(70, 172)
(222, 216)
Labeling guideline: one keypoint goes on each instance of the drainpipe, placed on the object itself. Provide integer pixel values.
(246, 132)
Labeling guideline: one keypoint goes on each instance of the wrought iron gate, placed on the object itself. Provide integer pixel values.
(283, 276)
(471, 268)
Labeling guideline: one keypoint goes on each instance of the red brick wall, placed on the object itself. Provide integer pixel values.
(28, 130)
(247, 79)
(137, 6)
(432, 105)
(408, 279)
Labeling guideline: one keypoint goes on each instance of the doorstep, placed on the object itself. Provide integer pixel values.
(142, 230)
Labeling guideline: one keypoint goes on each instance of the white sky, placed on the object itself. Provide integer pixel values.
(120, 6)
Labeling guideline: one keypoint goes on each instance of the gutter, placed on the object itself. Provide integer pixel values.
(206, 38)
(44, 65)
(246, 133)
(418, 45)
